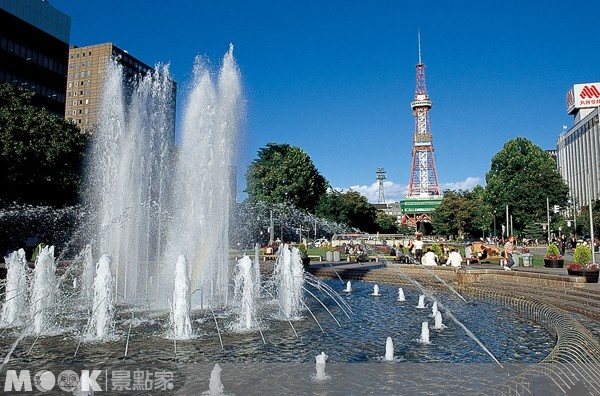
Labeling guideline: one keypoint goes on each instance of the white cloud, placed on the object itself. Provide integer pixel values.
(394, 192)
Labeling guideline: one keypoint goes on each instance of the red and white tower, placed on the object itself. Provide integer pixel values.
(423, 180)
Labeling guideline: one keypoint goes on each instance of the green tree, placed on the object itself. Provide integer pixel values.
(453, 214)
(522, 176)
(285, 174)
(386, 224)
(40, 155)
(350, 208)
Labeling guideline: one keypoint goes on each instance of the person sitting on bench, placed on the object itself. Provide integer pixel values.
(469, 255)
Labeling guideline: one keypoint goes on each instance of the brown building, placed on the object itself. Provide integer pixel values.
(86, 69)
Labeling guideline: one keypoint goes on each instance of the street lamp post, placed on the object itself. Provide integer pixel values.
(494, 226)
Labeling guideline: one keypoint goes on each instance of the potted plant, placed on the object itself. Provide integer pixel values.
(304, 255)
(527, 256)
(583, 264)
(553, 258)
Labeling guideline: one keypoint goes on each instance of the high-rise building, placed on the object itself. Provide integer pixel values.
(86, 69)
(34, 47)
(578, 147)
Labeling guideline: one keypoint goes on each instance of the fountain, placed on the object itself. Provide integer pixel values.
(215, 387)
(389, 349)
(244, 295)
(102, 309)
(401, 295)
(375, 290)
(16, 289)
(438, 321)
(44, 295)
(421, 304)
(348, 288)
(434, 309)
(424, 333)
(321, 359)
(160, 240)
(180, 309)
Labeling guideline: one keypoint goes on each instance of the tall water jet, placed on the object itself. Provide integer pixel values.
(152, 206)
(244, 294)
(181, 304)
(102, 308)
(289, 277)
(15, 304)
(202, 193)
(44, 295)
(129, 167)
(389, 349)
(424, 333)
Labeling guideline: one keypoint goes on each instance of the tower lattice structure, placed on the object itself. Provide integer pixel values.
(380, 178)
(423, 180)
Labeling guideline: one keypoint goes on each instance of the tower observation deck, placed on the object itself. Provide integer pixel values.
(423, 189)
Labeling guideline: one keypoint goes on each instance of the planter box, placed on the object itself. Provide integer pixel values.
(590, 276)
(527, 259)
(552, 263)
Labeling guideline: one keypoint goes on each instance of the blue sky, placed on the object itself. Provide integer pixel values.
(336, 78)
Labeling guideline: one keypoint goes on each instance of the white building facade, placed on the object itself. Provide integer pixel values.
(578, 148)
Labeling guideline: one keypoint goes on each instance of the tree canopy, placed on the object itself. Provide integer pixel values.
(462, 213)
(285, 174)
(349, 208)
(522, 176)
(40, 155)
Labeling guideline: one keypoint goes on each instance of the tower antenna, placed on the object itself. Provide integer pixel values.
(419, 40)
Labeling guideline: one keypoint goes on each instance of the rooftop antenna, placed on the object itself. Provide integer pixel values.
(419, 40)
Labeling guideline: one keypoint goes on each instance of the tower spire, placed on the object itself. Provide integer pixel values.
(423, 181)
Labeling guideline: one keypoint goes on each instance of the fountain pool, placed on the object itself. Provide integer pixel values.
(142, 341)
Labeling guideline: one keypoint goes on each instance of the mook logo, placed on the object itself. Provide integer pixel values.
(45, 381)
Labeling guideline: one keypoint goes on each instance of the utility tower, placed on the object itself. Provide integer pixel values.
(380, 179)
(423, 189)
(423, 178)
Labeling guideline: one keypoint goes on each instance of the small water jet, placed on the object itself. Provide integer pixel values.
(181, 304)
(375, 290)
(438, 321)
(103, 310)
(348, 288)
(421, 304)
(15, 303)
(434, 309)
(389, 349)
(401, 296)
(424, 333)
(215, 387)
(244, 295)
(44, 296)
(288, 275)
(321, 359)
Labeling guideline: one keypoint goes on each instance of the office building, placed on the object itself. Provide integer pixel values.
(578, 148)
(34, 47)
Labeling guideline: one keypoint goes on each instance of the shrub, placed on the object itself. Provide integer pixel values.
(552, 252)
(583, 256)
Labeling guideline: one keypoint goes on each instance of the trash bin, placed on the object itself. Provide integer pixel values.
(336, 256)
(527, 259)
(329, 256)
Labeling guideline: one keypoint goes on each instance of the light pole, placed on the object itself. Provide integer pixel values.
(494, 226)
